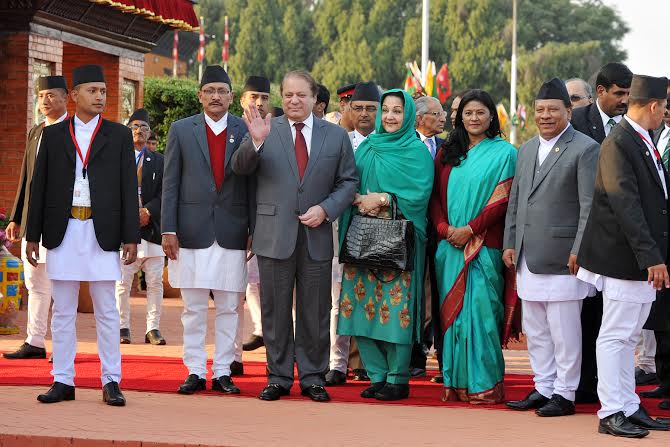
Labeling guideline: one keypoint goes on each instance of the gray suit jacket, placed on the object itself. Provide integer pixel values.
(19, 212)
(549, 205)
(191, 205)
(330, 181)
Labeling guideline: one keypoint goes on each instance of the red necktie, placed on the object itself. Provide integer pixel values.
(300, 149)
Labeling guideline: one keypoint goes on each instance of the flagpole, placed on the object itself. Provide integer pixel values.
(226, 43)
(175, 53)
(425, 29)
(512, 92)
(201, 48)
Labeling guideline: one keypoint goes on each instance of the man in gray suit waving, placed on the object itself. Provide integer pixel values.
(549, 204)
(306, 177)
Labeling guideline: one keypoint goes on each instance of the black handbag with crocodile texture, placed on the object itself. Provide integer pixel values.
(380, 243)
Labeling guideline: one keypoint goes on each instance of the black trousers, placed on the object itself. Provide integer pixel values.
(662, 358)
(592, 316)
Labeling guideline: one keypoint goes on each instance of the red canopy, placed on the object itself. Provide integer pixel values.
(175, 13)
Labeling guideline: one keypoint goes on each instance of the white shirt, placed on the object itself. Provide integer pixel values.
(306, 131)
(605, 117)
(664, 139)
(424, 139)
(47, 123)
(547, 145)
(650, 151)
(357, 138)
(217, 126)
(83, 132)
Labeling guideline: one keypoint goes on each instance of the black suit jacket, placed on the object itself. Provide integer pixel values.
(112, 181)
(587, 120)
(152, 191)
(19, 212)
(627, 230)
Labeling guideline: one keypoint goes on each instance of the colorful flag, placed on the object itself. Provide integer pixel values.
(410, 85)
(503, 117)
(226, 44)
(430, 78)
(201, 49)
(521, 113)
(442, 85)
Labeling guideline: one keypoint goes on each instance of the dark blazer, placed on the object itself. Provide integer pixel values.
(627, 230)
(587, 120)
(192, 207)
(152, 191)
(330, 181)
(19, 212)
(112, 181)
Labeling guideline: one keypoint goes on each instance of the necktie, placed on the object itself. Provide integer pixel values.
(301, 155)
(610, 123)
(140, 164)
(431, 146)
(666, 155)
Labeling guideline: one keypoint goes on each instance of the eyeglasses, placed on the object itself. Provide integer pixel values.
(436, 114)
(369, 109)
(220, 91)
(142, 127)
(575, 98)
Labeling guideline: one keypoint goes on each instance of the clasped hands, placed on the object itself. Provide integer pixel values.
(370, 204)
(456, 236)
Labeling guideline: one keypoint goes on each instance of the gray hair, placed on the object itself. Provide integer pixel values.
(423, 102)
(587, 87)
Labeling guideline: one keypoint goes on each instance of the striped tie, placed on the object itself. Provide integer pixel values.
(665, 158)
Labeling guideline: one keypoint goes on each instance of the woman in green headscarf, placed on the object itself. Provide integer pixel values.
(384, 316)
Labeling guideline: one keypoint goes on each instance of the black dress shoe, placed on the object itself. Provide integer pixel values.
(417, 372)
(57, 393)
(664, 405)
(586, 397)
(360, 375)
(437, 379)
(125, 336)
(369, 392)
(154, 337)
(335, 377)
(618, 425)
(192, 384)
(641, 419)
(51, 358)
(557, 406)
(645, 378)
(659, 392)
(111, 393)
(273, 391)
(317, 393)
(26, 351)
(533, 400)
(236, 369)
(392, 391)
(225, 385)
(253, 343)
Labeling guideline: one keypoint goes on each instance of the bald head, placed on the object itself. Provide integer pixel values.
(581, 93)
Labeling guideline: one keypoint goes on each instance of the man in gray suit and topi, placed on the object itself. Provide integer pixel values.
(306, 177)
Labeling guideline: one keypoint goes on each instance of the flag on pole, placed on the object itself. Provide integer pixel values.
(226, 45)
(523, 118)
(430, 78)
(442, 84)
(201, 49)
(503, 117)
(175, 53)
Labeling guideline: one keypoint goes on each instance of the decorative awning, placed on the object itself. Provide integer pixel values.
(175, 13)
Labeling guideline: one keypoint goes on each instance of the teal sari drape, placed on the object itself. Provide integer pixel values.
(471, 280)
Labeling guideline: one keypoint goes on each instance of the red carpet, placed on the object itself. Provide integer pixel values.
(165, 374)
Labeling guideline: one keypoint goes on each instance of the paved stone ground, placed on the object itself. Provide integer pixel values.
(218, 420)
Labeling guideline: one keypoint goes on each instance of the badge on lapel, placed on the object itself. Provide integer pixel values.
(148, 159)
(556, 149)
(232, 140)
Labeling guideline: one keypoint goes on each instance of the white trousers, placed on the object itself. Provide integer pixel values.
(39, 302)
(339, 344)
(254, 305)
(153, 275)
(194, 320)
(554, 336)
(619, 334)
(646, 352)
(64, 329)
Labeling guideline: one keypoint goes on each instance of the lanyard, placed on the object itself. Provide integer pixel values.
(657, 155)
(84, 161)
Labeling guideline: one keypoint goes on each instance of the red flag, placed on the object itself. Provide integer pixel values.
(443, 85)
(201, 50)
(226, 43)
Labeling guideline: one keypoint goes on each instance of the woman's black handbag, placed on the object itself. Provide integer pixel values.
(379, 243)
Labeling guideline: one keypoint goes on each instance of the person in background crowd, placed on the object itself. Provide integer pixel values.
(86, 168)
(473, 177)
(453, 109)
(322, 101)
(52, 102)
(548, 207)
(382, 309)
(430, 120)
(581, 93)
(596, 121)
(152, 141)
(363, 106)
(342, 117)
(150, 256)
(206, 230)
(624, 253)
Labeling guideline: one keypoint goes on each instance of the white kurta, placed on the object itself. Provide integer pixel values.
(79, 256)
(540, 287)
(214, 268)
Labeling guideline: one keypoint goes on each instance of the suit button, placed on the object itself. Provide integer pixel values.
(665, 234)
(300, 190)
(664, 211)
(212, 189)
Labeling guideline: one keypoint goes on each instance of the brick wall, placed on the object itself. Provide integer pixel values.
(156, 65)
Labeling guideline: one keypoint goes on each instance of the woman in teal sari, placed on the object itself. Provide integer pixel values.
(473, 175)
(384, 315)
